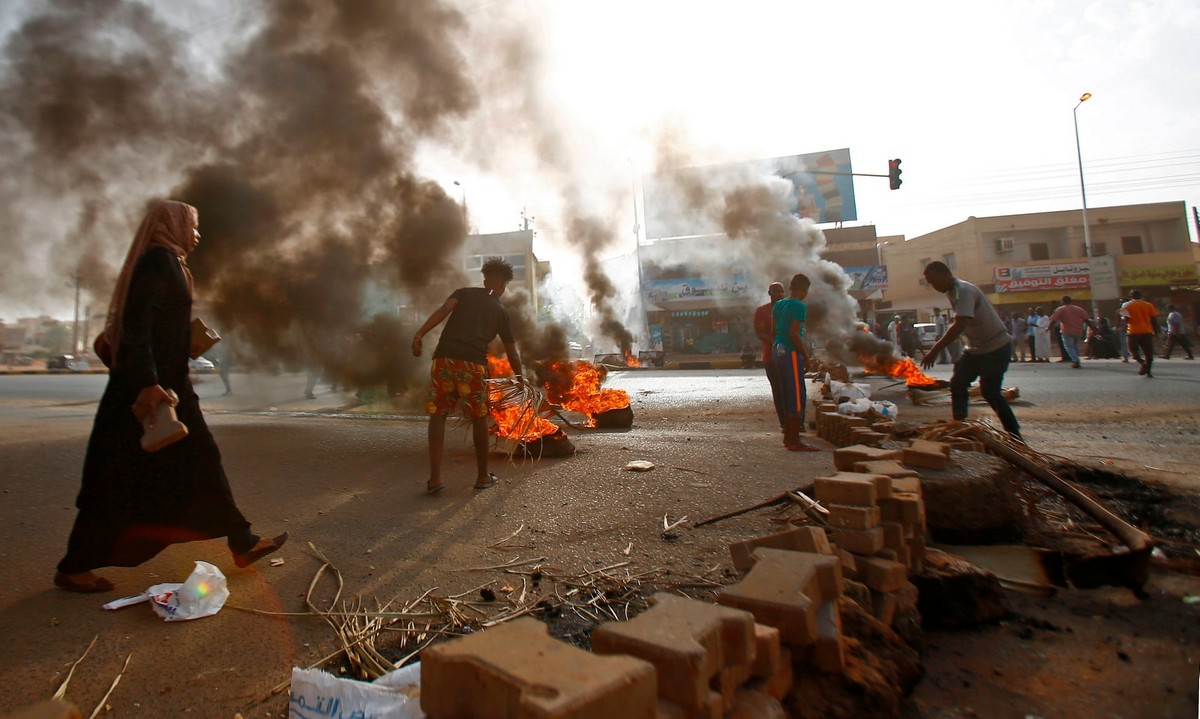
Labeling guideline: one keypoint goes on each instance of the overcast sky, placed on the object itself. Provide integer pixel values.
(975, 98)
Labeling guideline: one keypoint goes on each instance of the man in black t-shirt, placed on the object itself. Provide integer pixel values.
(460, 364)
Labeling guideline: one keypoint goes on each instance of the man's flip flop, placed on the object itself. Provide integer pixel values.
(435, 488)
(262, 549)
(802, 448)
(491, 482)
(99, 584)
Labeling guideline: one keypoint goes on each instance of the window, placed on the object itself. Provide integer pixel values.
(1098, 249)
(1132, 245)
(1039, 251)
(948, 258)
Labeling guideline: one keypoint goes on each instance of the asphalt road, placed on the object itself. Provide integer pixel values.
(349, 478)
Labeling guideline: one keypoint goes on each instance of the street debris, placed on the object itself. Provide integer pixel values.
(201, 595)
(639, 465)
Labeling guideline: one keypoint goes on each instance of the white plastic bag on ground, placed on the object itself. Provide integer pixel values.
(396, 695)
(202, 595)
(861, 405)
(849, 390)
(885, 409)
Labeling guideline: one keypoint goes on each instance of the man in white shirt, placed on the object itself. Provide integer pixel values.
(1176, 335)
(989, 352)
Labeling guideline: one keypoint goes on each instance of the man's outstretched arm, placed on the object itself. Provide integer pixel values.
(439, 315)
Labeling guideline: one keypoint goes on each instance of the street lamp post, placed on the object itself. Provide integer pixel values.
(463, 190)
(1087, 233)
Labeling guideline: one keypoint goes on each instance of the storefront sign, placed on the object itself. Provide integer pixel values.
(1173, 275)
(690, 313)
(694, 288)
(1104, 278)
(1064, 276)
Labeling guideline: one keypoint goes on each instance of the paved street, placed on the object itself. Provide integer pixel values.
(349, 479)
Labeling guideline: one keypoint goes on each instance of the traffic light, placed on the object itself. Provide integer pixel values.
(894, 174)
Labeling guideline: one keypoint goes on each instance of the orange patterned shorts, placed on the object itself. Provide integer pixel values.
(454, 379)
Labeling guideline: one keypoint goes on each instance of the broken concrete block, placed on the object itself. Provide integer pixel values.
(829, 653)
(906, 485)
(517, 670)
(886, 467)
(784, 589)
(845, 457)
(882, 575)
(847, 517)
(863, 542)
(689, 642)
(800, 539)
(847, 488)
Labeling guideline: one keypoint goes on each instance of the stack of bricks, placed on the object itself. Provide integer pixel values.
(878, 516)
(841, 430)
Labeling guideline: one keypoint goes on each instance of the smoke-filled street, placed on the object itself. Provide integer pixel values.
(348, 479)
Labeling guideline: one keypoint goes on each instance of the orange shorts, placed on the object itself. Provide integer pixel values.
(454, 379)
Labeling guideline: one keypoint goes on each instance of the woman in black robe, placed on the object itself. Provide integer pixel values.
(134, 503)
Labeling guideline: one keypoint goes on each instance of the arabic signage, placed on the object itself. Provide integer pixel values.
(695, 288)
(690, 201)
(867, 278)
(1104, 278)
(1027, 278)
(1173, 275)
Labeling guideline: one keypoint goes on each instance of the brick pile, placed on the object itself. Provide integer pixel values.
(842, 430)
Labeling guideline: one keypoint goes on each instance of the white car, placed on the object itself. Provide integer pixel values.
(201, 364)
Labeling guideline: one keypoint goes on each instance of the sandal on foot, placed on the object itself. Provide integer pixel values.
(432, 489)
(491, 482)
(260, 550)
(802, 447)
(98, 584)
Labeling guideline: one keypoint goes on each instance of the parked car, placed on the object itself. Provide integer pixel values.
(73, 363)
(201, 365)
(926, 334)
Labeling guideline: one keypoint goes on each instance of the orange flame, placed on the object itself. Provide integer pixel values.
(904, 369)
(630, 360)
(511, 423)
(578, 389)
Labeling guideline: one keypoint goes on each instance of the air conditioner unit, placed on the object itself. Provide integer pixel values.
(1004, 244)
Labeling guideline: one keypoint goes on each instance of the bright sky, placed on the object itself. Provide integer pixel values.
(975, 98)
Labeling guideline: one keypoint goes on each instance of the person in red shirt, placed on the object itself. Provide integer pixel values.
(1071, 319)
(1143, 325)
(764, 329)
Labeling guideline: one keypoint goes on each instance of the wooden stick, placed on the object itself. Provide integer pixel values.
(108, 693)
(777, 499)
(62, 688)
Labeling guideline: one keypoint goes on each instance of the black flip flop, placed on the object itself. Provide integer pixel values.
(245, 560)
(492, 479)
(99, 584)
(434, 489)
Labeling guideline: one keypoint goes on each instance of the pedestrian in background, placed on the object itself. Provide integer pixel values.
(1143, 325)
(1122, 330)
(1031, 320)
(1176, 335)
(133, 503)
(939, 326)
(1043, 334)
(764, 329)
(987, 357)
(1071, 319)
(459, 367)
(791, 358)
(1019, 333)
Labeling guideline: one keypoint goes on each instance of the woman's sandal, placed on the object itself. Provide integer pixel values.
(491, 482)
(260, 550)
(435, 488)
(98, 584)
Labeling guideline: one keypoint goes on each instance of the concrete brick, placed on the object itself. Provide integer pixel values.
(923, 453)
(755, 704)
(863, 542)
(886, 467)
(916, 547)
(843, 516)
(849, 567)
(800, 539)
(689, 642)
(868, 437)
(858, 593)
(893, 536)
(886, 426)
(903, 508)
(780, 683)
(888, 554)
(845, 457)
(881, 574)
(906, 485)
(829, 422)
(829, 653)
(50, 709)
(784, 589)
(846, 488)
(516, 671)
(767, 651)
(729, 680)
(884, 606)
(907, 596)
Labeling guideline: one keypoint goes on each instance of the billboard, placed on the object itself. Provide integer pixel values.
(1054, 276)
(689, 201)
(867, 278)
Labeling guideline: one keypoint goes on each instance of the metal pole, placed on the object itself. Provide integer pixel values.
(1087, 233)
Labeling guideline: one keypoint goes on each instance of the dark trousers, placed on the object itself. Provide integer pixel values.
(989, 367)
(1142, 344)
(1182, 341)
(776, 391)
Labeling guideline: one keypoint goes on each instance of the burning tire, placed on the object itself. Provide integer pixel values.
(619, 418)
(547, 446)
